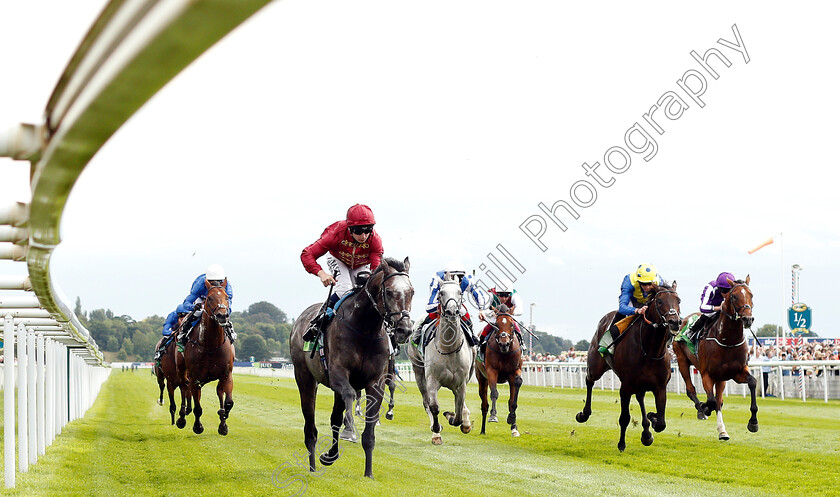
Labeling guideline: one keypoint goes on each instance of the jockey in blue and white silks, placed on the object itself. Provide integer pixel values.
(467, 285)
(171, 324)
(174, 318)
(198, 292)
(456, 271)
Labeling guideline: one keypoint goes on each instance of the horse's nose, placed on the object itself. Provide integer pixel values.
(748, 321)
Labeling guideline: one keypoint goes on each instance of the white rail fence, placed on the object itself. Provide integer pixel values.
(816, 379)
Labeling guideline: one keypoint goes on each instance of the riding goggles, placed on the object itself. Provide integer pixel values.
(362, 229)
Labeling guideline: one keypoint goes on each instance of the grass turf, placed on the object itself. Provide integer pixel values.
(125, 446)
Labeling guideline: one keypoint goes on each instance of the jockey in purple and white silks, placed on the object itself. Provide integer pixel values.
(711, 301)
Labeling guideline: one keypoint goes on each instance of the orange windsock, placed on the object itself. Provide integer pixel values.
(761, 245)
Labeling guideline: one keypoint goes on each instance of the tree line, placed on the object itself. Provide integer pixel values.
(263, 331)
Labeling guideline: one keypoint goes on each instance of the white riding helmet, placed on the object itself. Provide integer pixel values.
(454, 267)
(215, 272)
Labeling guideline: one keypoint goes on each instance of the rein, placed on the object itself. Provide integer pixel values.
(663, 323)
(734, 317)
(386, 314)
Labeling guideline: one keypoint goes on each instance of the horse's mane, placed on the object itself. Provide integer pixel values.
(398, 265)
(665, 286)
(739, 282)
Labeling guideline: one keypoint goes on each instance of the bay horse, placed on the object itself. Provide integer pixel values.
(208, 356)
(167, 376)
(641, 361)
(502, 363)
(448, 361)
(357, 350)
(722, 355)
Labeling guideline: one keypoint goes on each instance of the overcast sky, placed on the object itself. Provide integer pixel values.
(454, 121)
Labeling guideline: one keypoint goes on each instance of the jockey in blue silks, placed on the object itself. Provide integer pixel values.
(456, 271)
(198, 292)
(171, 324)
(637, 288)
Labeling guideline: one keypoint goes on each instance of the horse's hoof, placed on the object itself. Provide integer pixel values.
(514, 433)
(581, 417)
(511, 419)
(723, 437)
(223, 430)
(181, 423)
(621, 446)
(328, 460)
(389, 416)
(752, 426)
(492, 419)
(707, 410)
(466, 429)
(348, 435)
(701, 416)
(160, 402)
(198, 429)
(647, 439)
(437, 441)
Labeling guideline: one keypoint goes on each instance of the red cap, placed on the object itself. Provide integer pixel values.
(360, 215)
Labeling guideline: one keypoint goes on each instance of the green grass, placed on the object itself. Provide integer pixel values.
(125, 446)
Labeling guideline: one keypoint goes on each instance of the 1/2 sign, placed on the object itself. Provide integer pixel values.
(799, 318)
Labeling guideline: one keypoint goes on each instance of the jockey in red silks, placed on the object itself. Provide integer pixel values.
(509, 297)
(354, 248)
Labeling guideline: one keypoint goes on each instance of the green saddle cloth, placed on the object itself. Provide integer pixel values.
(682, 336)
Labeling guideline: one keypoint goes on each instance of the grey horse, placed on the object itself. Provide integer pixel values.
(448, 361)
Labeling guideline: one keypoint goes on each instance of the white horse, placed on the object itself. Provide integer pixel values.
(448, 361)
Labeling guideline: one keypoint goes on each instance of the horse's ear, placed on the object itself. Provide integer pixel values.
(747, 281)
(731, 283)
(206, 283)
(224, 283)
(674, 285)
(407, 264)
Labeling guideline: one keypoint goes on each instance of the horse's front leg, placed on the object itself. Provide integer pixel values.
(186, 400)
(492, 380)
(374, 403)
(515, 382)
(685, 371)
(719, 387)
(392, 385)
(225, 392)
(340, 381)
(710, 404)
(461, 415)
(657, 418)
(170, 388)
(195, 390)
(432, 387)
(624, 417)
(329, 457)
(647, 436)
(482, 393)
(745, 377)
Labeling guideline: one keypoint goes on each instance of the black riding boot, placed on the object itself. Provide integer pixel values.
(694, 331)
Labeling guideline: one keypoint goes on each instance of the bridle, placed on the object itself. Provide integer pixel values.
(663, 321)
(223, 305)
(497, 336)
(663, 318)
(386, 313)
(735, 316)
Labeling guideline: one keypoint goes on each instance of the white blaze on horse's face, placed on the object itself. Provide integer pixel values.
(504, 320)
